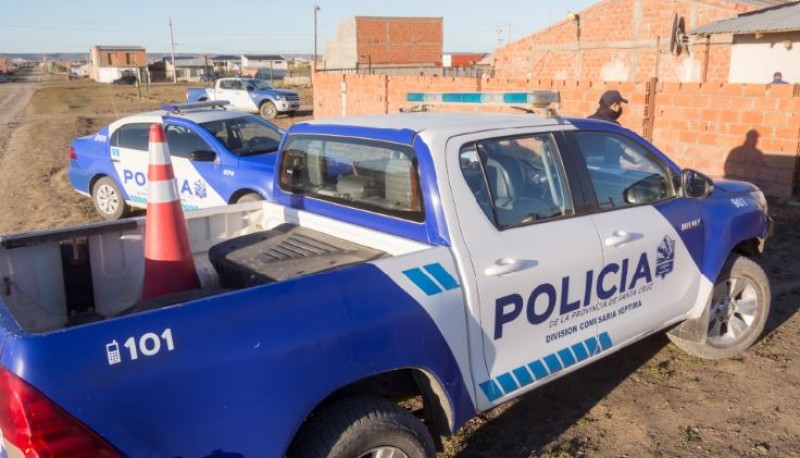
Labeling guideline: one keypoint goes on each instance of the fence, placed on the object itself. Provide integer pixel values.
(742, 131)
(469, 72)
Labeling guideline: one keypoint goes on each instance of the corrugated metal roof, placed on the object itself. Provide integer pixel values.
(761, 3)
(781, 18)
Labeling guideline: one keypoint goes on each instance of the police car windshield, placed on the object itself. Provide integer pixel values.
(259, 84)
(245, 136)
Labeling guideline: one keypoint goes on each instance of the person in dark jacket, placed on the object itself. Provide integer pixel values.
(610, 108)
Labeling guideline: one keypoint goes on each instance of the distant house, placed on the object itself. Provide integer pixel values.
(190, 69)
(5, 66)
(225, 64)
(273, 61)
(462, 59)
(107, 63)
(265, 66)
(386, 42)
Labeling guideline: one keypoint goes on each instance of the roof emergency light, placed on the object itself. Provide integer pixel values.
(179, 107)
(537, 99)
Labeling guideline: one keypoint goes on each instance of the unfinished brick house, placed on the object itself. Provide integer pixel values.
(386, 42)
(629, 40)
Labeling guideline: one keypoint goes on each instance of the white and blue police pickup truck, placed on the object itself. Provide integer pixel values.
(219, 157)
(460, 258)
(248, 94)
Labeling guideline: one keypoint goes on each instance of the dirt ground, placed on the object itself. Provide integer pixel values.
(649, 400)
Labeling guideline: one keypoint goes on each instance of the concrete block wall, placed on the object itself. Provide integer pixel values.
(743, 131)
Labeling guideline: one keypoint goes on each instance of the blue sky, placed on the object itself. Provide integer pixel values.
(265, 26)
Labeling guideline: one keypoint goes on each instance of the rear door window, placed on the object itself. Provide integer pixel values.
(132, 136)
(370, 175)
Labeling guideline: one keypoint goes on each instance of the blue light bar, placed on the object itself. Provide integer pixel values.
(178, 107)
(539, 99)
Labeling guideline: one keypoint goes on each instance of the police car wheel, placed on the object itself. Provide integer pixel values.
(249, 197)
(363, 427)
(267, 110)
(736, 313)
(108, 199)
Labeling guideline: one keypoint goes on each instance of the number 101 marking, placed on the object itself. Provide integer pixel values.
(149, 344)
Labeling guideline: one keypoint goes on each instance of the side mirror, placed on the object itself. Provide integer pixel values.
(251, 88)
(695, 185)
(203, 156)
(648, 189)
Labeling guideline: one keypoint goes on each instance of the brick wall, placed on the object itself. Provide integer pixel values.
(746, 131)
(399, 40)
(624, 40)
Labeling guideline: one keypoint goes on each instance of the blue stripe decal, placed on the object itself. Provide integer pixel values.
(507, 382)
(592, 345)
(422, 281)
(553, 364)
(442, 276)
(580, 351)
(491, 390)
(523, 376)
(544, 367)
(538, 369)
(605, 341)
(566, 357)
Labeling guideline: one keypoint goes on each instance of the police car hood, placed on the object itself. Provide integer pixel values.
(733, 186)
(275, 92)
(264, 161)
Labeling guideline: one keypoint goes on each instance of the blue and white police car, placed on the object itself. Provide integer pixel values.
(219, 157)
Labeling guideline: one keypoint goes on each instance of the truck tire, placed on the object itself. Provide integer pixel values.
(108, 199)
(249, 197)
(363, 427)
(736, 312)
(267, 110)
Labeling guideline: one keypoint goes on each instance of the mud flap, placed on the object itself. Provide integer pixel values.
(695, 330)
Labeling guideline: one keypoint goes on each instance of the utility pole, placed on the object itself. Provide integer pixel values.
(314, 64)
(499, 32)
(172, 42)
(508, 40)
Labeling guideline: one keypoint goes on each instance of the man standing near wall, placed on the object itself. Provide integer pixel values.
(610, 108)
(777, 78)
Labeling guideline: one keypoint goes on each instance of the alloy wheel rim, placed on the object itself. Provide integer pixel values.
(107, 199)
(384, 452)
(734, 309)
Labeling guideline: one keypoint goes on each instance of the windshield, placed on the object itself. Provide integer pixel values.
(259, 84)
(246, 135)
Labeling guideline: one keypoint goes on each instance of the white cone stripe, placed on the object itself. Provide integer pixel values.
(160, 192)
(159, 154)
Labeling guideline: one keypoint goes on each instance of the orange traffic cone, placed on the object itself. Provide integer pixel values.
(168, 264)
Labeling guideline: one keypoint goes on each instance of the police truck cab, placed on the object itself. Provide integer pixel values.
(461, 258)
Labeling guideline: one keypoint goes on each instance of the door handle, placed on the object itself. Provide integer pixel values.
(508, 265)
(618, 238)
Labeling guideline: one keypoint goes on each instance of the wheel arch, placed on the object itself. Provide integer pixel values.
(397, 386)
(240, 192)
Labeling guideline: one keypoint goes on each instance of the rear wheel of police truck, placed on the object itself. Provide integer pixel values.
(735, 315)
(108, 199)
(267, 110)
(363, 427)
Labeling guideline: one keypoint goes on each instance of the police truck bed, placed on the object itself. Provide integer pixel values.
(282, 253)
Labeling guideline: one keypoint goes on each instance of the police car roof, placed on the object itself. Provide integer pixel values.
(446, 123)
(198, 116)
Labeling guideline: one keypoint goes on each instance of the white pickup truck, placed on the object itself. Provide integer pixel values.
(248, 94)
(463, 259)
